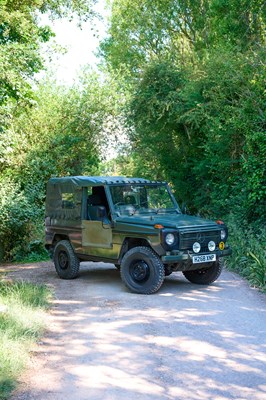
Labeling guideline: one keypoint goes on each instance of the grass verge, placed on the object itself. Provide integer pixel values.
(22, 308)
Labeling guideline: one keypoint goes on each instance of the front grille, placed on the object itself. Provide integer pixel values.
(188, 238)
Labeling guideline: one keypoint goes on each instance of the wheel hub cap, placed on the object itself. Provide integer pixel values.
(140, 271)
(63, 260)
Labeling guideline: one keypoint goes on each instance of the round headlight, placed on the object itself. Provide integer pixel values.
(170, 239)
(211, 245)
(196, 247)
(223, 234)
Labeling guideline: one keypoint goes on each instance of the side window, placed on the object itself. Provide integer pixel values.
(89, 191)
(91, 204)
(70, 203)
(63, 202)
(68, 200)
(96, 198)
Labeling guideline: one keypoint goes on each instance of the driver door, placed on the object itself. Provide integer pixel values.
(96, 231)
(96, 234)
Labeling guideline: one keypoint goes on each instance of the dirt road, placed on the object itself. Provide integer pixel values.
(184, 342)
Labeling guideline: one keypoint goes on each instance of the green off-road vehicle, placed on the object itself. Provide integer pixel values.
(133, 223)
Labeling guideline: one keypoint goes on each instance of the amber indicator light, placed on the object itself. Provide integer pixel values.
(158, 226)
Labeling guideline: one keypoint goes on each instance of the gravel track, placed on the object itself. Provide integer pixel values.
(186, 342)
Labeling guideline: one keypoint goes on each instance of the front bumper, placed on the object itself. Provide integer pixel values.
(181, 256)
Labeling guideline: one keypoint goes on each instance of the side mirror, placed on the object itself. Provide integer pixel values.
(101, 212)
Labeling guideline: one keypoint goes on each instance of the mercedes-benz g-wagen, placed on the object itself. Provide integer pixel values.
(134, 223)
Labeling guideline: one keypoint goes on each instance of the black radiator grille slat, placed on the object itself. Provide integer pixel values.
(187, 239)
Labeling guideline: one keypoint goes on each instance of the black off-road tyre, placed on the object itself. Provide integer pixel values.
(207, 275)
(65, 260)
(142, 270)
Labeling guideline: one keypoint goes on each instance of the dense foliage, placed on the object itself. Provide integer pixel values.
(60, 135)
(208, 122)
(198, 109)
(196, 115)
(44, 131)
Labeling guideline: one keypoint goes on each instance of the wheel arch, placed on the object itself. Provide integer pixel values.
(129, 243)
(56, 238)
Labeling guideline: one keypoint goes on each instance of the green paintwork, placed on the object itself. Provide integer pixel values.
(172, 220)
(95, 235)
(109, 239)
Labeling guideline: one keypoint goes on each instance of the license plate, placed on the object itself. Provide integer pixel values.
(204, 258)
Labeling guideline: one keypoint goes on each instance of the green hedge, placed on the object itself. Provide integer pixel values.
(20, 221)
(249, 252)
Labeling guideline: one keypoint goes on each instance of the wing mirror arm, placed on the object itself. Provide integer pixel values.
(184, 208)
(102, 215)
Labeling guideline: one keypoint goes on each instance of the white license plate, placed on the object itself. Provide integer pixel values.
(204, 258)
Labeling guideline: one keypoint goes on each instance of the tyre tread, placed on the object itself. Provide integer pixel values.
(158, 265)
(195, 277)
(72, 272)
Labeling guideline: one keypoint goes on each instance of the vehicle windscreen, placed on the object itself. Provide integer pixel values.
(135, 198)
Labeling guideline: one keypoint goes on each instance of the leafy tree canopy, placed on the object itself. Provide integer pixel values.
(197, 106)
(20, 38)
(178, 30)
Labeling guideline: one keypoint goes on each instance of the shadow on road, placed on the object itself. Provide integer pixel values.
(184, 342)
